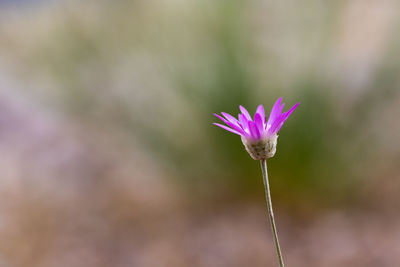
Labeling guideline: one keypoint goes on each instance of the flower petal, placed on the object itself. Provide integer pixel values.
(259, 123)
(286, 116)
(274, 112)
(243, 122)
(281, 108)
(260, 110)
(278, 122)
(245, 113)
(230, 118)
(221, 118)
(227, 128)
(253, 130)
(290, 111)
(234, 126)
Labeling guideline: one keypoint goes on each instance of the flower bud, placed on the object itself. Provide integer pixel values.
(261, 149)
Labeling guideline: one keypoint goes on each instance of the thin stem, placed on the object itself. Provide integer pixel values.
(270, 211)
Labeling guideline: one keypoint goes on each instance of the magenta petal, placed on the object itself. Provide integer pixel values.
(236, 127)
(230, 118)
(281, 109)
(259, 123)
(274, 112)
(260, 110)
(243, 122)
(226, 128)
(253, 130)
(277, 123)
(280, 125)
(221, 118)
(290, 111)
(286, 116)
(245, 113)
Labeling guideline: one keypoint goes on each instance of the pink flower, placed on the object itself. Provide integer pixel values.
(259, 128)
(259, 137)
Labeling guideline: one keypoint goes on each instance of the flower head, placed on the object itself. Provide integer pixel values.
(259, 134)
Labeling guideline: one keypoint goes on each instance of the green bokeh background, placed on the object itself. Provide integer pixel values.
(146, 77)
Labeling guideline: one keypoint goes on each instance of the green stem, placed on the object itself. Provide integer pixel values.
(270, 211)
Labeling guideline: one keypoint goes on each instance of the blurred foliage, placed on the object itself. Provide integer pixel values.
(109, 156)
(159, 72)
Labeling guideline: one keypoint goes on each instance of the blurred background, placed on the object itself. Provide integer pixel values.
(108, 155)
